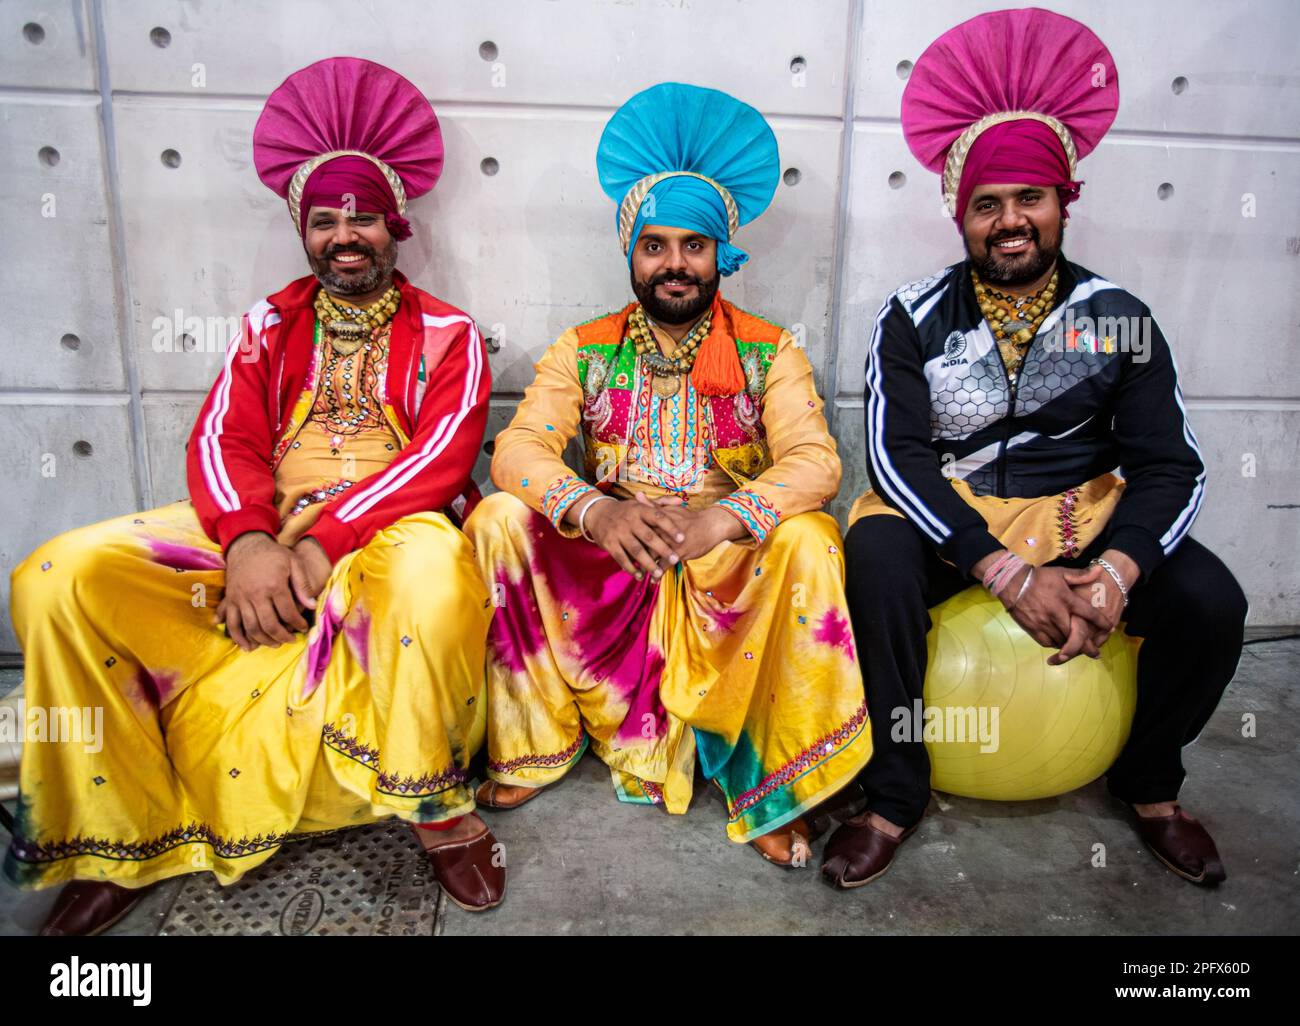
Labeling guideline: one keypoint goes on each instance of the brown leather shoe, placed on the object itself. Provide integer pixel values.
(88, 907)
(856, 855)
(1182, 844)
(778, 846)
(489, 795)
(466, 870)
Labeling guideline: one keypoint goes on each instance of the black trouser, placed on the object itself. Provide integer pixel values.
(1190, 613)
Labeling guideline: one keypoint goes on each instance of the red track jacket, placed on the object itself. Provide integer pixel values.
(437, 385)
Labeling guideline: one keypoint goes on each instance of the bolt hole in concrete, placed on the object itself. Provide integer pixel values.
(34, 33)
(160, 37)
(897, 180)
(904, 69)
(798, 65)
(1178, 85)
(489, 166)
(487, 50)
(83, 449)
(1164, 190)
(49, 156)
(170, 158)
(70, 342)
(792, 176)
(188, 345)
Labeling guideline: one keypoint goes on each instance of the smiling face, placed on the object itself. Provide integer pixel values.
(352, 256)
(1013, 233)
(674, 274)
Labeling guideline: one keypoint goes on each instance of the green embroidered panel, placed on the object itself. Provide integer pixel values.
(606, 365)
(755, 359)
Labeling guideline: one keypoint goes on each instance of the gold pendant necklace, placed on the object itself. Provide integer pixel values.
(346, 337)
(666, 385)
(348, 327)
(666, 373)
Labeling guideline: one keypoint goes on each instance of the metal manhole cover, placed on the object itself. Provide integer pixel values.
(364, 882)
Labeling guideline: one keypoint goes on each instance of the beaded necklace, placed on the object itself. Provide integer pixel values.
(1014, 320)
(666, 372)
(357, 376)
(349, 326)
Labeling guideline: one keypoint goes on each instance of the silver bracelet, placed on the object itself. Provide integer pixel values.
(1119, 581)
(582, 516)
(1023, 588)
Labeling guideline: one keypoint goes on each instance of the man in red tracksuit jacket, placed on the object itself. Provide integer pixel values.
(300, 646)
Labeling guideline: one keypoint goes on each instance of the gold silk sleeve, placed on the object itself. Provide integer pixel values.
(805, 471)
(527, 460)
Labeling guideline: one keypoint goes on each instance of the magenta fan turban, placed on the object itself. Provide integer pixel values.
(348, 127)
(1008, 97)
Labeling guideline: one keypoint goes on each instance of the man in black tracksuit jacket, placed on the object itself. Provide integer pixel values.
(940, 403)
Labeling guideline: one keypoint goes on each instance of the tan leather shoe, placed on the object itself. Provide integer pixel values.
(856, 854)
(492, 795)
(1183, 845)
(85, 908)
(789, 846)
(467, 870)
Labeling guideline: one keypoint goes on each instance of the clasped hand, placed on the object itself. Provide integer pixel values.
(647, 536)
(269, 588)
(1073, 611)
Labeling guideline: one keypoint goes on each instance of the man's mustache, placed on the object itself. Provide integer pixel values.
(682, 279)
(330, 254)
(1030, 233)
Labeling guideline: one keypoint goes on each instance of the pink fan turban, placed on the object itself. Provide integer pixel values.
(1014, 152)
(355, 181)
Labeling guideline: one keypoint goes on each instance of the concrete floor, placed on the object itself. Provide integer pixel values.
(581, 863)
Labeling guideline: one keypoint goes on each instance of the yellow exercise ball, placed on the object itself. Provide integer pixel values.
(1000, 723)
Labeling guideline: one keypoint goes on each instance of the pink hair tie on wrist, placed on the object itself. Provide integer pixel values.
(1002, 572)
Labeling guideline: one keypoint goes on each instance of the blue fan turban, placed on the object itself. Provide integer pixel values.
(695, 205)
(676, 127)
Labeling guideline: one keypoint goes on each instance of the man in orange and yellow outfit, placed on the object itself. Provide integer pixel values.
(684, 599)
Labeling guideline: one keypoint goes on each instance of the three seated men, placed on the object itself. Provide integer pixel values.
(305, 641)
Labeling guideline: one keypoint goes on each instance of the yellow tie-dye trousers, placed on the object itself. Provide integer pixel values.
(742, 658)
(206, 757)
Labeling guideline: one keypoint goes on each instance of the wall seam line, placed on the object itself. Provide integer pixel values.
(830, 370)
(123, 295)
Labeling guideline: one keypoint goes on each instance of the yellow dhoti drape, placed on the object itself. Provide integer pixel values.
(207, 757)
(742, 658)
(1038, 529)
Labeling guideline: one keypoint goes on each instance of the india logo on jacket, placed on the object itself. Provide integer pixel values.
(953, 349)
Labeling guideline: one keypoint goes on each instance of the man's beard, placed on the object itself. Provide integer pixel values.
(675, 311)
(1014, 271)
(381, 269)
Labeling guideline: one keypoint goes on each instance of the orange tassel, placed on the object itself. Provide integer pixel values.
(717, 369)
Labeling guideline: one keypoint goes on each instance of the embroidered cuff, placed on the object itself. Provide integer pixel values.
(757, 514)
(561, 496)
